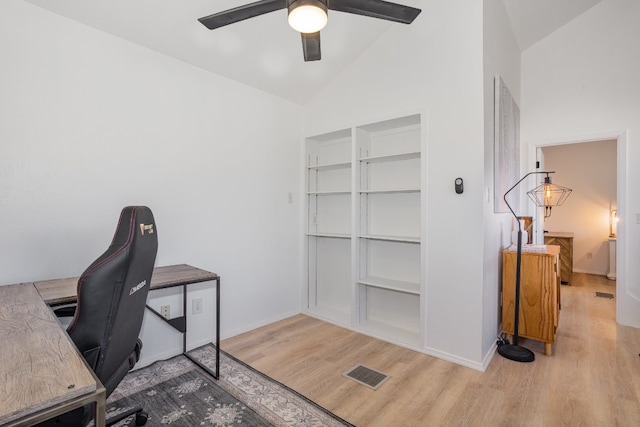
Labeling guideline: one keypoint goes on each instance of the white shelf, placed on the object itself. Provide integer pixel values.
(406, 239)
(391, 190)
(328, 193)
(330, 166)
(394, 125)
(392, 285)
(392, 333)
(392, 157)
(330, 235)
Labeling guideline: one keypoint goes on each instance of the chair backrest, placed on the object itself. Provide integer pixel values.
(112, 294)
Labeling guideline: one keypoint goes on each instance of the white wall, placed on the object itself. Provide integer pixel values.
(432, 65)
(501, 56)
(589, 169)
(90, 123)
(582, 81)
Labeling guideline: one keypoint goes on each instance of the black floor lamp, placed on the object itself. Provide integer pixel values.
(544, 195)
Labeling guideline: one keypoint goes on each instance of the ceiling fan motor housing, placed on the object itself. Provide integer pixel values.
(292, 4)
(307, 16)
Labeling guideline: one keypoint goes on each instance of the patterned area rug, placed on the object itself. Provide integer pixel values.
(177, 392)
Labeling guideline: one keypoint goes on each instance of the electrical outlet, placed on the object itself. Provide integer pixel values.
(196, 306)
(165, 310)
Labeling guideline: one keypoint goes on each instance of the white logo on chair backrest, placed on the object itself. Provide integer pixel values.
(137, 287)
(146, 227)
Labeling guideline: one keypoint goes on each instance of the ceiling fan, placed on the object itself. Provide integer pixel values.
(310, 16)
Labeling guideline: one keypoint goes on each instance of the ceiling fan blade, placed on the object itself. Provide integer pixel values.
(376, 9)
(311, 46)
(241, 13)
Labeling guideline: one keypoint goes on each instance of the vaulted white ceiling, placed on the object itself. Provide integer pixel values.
(264, 52)
(533, 20)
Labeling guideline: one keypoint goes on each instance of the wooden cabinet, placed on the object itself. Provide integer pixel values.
(565, 241)
(539, 295)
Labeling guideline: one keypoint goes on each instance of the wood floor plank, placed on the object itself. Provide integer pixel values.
(592, 378)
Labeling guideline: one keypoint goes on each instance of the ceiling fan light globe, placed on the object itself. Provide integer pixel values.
(307, 18)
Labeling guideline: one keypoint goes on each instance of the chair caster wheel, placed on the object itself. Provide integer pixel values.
(141, 418)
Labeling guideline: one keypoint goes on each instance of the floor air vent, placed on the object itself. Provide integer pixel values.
(367, 376)
(604, 295)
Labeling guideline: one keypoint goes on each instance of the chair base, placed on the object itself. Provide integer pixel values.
(141, 416)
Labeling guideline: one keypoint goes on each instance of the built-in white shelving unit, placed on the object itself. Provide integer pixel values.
(364, 226)
(329, 199)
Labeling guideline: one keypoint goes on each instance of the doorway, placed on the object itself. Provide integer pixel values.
(593, 166)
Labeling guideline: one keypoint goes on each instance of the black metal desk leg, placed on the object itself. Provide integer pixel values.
(180, 324)
(184, 313)
(218, 327)
(215, 375)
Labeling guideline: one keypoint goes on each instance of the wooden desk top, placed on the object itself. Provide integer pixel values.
(64, 291)
(39, 365)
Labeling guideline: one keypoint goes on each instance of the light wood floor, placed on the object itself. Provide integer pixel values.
(592, 378)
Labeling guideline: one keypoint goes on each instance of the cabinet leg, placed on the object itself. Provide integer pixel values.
(547, 349)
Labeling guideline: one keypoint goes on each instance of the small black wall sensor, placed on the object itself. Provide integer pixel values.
(459, 186)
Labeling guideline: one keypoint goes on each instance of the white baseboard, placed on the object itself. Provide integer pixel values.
(429, 351)
(256, 325)
(596, 273)
(168, 353)
(460, 360)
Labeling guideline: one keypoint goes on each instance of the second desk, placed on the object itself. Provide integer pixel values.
(64, 291)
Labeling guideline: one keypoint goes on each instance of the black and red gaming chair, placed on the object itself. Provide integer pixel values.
(112, 294)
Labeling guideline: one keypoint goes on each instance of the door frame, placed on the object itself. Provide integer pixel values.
(620, 136)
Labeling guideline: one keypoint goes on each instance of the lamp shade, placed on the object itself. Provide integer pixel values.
(307, 16)
(548, 194)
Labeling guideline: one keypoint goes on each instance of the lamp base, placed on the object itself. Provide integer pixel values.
(516, 353)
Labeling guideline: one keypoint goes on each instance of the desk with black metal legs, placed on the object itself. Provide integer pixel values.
(63, 291)
(183, 275)
(43, 374)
